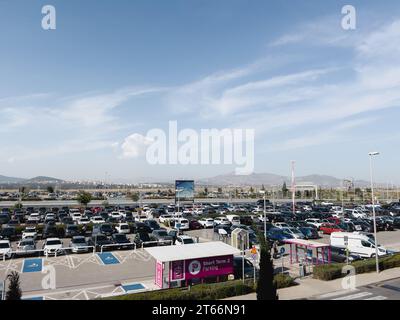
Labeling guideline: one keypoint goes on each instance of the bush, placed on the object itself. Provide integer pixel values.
(282, 280)
(334, 271)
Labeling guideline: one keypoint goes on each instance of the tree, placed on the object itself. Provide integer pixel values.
(266, 288)
(284, 190)
(134, 196)
(50, 189)
(14, 290)
(84, 197)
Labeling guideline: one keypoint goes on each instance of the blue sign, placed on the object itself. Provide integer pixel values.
(32, 265)
(282, 250)
(133, 287)
(108, 258)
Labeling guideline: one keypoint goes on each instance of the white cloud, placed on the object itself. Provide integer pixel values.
(135, 145)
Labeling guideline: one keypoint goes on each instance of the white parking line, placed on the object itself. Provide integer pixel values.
(377, 298)
(355, 296)
(336, 293)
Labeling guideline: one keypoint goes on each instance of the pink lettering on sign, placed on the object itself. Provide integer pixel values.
(159, 274)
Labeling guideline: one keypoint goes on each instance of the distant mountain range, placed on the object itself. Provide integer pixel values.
(269, 179)
(39, 179)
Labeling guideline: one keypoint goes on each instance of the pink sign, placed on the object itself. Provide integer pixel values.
(159, 274)
(203, 267)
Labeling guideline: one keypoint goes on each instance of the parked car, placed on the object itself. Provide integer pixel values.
(153, 225)
(25, 247)
(309, 232)
(296, 233)
(8, 233)
(141, 227)
(29, 232)
(276, 234)
(121, 241)
(328, 228)
(317, 223)
(221, 220)
(99, 240)
(84, 221)
(184, 239)
(123, 228)
(79, 244)
(50, 231)
(339, 255)
(52, 246)
(238, 268)
(207, 222)
(143, 239)
(5, 249)
(104, 228)
(194, 225)
(97, 220)
(162, 237)
(71, 230)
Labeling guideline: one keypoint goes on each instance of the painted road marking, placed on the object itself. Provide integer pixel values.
(355, 296)
(32, 265)
(108, 258)
(377, 298)
(336, 293)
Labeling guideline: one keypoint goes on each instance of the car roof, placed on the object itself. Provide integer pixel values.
(48, 239)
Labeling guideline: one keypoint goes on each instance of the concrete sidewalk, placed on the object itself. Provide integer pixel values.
(309, 287)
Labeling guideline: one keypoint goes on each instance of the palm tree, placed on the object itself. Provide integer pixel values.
(14, 290)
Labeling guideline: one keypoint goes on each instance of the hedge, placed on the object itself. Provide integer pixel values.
(213, 291)
(334, 271)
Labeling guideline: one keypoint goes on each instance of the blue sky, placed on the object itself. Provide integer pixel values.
(313, 92)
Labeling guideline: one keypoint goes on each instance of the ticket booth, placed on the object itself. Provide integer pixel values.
(178, 266)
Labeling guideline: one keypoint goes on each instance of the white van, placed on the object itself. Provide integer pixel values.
(357, 243)
(184, 223)
(234, 219)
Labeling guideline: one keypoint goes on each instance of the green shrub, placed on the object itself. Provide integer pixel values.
(334, 271)
(282, 280)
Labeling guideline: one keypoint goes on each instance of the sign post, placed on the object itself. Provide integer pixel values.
(282, 251)
(346, 243)
(253, 252)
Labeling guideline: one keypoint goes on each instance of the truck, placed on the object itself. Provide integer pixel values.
(357, 243)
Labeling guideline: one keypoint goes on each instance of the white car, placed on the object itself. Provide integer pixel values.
(52, 246)
(116, 215)
(183, 223)
(76, 216)
(34, 217)
(83, 221)
(184, 239)
(29, 232)
(165, 217)
(97, 219)
(123, 228)
(5, 249)
(314, 222)
(207, 222)
(221, 220)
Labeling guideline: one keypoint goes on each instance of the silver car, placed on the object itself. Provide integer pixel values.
(25, 247)
(79, 245)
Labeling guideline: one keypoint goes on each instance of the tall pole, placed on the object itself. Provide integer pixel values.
(371, 154)
(265, 218)
(273, 197)
(293, 188)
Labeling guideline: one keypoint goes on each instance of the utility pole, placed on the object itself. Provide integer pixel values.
(293, 188)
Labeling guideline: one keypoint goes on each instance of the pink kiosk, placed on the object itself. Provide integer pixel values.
(181, 265)
(312, 252)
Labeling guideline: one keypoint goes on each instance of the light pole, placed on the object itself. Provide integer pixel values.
(371, 154)
(177, 192)
(293, 188)
(265, 215)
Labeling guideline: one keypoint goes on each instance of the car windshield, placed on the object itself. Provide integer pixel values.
(124, 226)
(101, 238)
(162, 233)
(186, 241)
(78, 240)
(4, 245)
(120, 237)
(106, 227)
(72, 227)
(53, 242)
(27, 243)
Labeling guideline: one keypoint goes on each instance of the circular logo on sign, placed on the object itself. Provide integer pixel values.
(194, 267)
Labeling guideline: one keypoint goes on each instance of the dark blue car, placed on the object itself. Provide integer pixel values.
(276, 234)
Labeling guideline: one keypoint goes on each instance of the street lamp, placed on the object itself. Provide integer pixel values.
(372, 154)
(265, 215)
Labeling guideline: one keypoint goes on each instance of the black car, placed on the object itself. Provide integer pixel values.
(8, 233)
(195, 225)
(141, 227)
(104, 228)
(121, 241)
(67, 220)
(227, 228)
(143, 239)
(4, 218)
(100, 240)
(50, 231)
(238, 268)
(339, 255)
(71, 230)
(153, 225)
